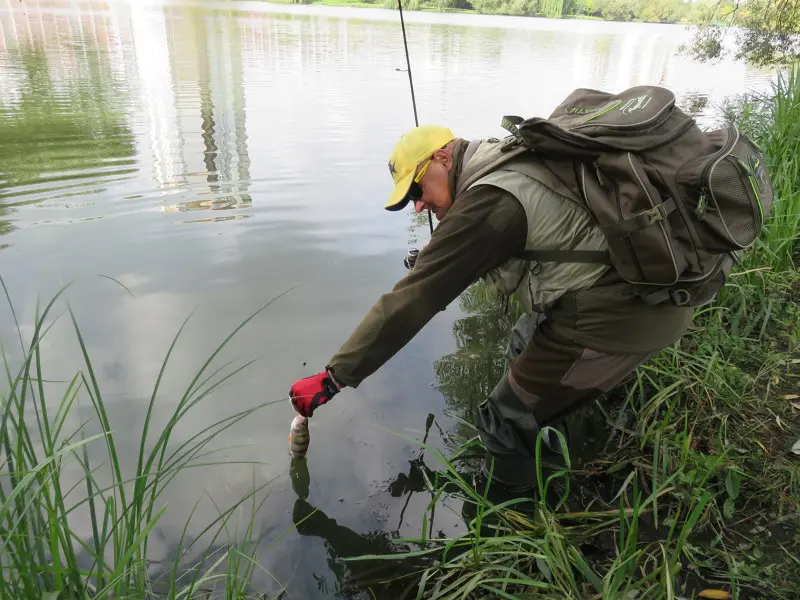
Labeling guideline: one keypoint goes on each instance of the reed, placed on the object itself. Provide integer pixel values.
(42, 557)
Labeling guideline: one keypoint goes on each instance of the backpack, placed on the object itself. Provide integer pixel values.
(674, 202)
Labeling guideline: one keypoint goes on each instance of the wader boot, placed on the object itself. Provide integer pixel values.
(509, 430)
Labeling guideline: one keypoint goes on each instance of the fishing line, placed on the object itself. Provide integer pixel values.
(411, 84)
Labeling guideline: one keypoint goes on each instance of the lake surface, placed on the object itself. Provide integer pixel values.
(210, 157)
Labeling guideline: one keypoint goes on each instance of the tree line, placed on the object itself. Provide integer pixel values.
(646, 11)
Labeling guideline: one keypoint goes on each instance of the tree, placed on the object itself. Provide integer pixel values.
(662, 11)
(766, 31)
(619, 10)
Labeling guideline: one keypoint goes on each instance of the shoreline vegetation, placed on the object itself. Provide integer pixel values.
(635, 11)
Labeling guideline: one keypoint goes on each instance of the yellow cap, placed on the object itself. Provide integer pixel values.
(411, 150)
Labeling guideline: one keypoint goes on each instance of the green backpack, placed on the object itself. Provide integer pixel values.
(675, 203)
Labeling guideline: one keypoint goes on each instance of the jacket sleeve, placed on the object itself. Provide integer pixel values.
(483, 229)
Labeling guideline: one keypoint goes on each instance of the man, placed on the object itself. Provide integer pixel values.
(587, 330)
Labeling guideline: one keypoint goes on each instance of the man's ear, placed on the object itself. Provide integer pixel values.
(444, 157)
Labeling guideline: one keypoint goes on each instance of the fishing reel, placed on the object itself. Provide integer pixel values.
(411, 258)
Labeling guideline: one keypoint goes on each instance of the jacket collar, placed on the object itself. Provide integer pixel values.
(458, 154)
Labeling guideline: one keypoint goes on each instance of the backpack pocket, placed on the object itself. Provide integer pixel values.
(635, 110)
(697, 291)
(635, 220)
(727, 192)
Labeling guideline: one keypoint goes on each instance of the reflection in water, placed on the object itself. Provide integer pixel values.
(221, 100)
(370, 578)
(172, 72)
(62, 139)
(466, 376)
(125, 111)
(353, 578)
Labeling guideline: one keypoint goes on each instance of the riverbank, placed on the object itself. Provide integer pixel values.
(677, 14)
(685, 483)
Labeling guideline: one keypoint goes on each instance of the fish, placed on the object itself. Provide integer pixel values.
(299, 437)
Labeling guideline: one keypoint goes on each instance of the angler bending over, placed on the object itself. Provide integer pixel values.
(515, 218)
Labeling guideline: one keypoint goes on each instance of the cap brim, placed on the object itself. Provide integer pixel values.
(397, 199)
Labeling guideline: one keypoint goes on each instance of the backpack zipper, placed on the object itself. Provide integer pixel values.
(727, 148)
(705, 190)
(660, 225)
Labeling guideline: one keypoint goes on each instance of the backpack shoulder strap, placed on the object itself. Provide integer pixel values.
(568, 256)
(470, 151)
(505, 152)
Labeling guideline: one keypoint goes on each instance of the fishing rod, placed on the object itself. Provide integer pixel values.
(411, 84)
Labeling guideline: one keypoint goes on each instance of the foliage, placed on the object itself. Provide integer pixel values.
(659, 11)
(765, 31)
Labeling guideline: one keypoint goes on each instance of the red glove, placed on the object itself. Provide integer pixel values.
(310, 392)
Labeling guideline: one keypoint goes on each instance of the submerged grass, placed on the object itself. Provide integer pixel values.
(691, 489)
(42, 557)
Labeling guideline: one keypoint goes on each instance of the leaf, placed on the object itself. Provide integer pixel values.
(727, 509)
(714, 594)
(50, 595)
(732, 481)
(796, 448)
(796, 404)
(625, 483)
(548, 574)
(790, 397)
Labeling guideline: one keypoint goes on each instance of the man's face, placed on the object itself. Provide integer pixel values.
(431, 188)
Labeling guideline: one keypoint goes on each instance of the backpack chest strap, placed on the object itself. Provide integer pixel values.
(644, 219)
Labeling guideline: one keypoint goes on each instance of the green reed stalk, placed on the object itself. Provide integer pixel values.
(39, 550)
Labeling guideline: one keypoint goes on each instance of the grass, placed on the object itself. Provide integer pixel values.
(690, 490)
(42, 557)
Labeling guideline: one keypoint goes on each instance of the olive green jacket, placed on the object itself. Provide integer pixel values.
(485, 228)
(555, 221)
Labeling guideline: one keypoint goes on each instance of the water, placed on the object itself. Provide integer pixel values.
(211, 157)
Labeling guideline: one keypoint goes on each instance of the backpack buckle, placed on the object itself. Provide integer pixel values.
(653, 215)
(511, 142)
(680, 297)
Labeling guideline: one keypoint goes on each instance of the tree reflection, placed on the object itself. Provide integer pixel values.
(59, 134)
(217, 63)
(466, 376)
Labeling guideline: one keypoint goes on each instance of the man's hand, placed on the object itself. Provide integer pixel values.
(310, 392)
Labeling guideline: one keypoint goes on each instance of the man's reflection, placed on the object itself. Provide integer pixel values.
(367, 579)
(374, 578)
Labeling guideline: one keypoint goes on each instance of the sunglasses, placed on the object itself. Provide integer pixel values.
(415, 189)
